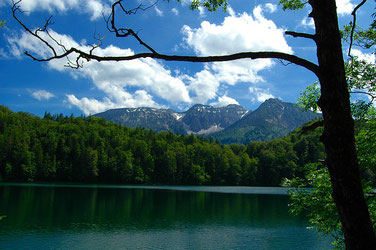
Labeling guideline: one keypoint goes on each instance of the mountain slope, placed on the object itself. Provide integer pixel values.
(149, 118)
(230, 124)
(199, 119)
(272, 119)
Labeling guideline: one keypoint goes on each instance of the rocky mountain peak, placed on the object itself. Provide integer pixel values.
(229, 124)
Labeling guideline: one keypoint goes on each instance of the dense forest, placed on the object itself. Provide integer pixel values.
(90, 150)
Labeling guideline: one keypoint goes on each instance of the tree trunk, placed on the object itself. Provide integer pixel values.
(338, 136)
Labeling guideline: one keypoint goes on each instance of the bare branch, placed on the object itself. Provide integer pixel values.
(15, 9)
(298, 34)
(354, 25)
(364, 93)
(124, 32)
(129, 32)
(243, 55)
(284, 63)
(313, 126)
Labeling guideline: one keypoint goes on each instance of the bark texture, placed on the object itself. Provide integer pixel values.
(338, 136)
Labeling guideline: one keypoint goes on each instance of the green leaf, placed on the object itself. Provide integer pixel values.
(210, 5)
(308, 99)
(292, 4)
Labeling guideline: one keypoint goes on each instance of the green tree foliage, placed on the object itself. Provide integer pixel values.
(317, 202)
(312, 187)
(58, 148)
(2, 22)
(292, 4)
(210, 5)
(362, 87)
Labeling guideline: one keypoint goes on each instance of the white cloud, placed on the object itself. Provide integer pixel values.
(203, 86)
(145, 77)
(201, 11)
(159, 11)
(344, 7)
(308, 22)
(175, 11)
(95, 8)
(270, 7)
(368, 57)
(25, 42)
(227, 38)
(224, 101)
(42, 95)
(140, 82)
(259, 95)
(231, 11)
(92, 106)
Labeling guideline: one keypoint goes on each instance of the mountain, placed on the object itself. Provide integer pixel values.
(149, 118)
(204, 119)
(199, 119)
(272, 119)
(230, 124)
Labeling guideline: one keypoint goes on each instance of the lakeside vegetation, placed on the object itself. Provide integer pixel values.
(91, 150)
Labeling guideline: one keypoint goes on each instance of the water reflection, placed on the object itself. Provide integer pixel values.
(156, 218)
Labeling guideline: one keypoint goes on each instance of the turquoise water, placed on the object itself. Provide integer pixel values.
(150, 217)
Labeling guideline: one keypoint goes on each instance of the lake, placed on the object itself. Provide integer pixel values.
(150, 217)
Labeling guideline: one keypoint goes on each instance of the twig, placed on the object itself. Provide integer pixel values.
(353, 25)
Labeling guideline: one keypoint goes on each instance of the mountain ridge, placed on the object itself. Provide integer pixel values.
(273, 119)
(199, 119)
(228, 124)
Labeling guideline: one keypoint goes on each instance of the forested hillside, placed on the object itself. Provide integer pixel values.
(91, 150)
(273, 119)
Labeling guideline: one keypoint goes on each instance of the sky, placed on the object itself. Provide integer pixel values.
(170, 28)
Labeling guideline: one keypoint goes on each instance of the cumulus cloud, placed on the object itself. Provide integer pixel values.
(93, 106)
(201, 11)
(228, 38)
(344, 7)
(175, 11)
(203, 86)
(270, 7)
(146, 77)
(25, 42)
(224, 101)
(368, 57)
(259, 95)
(140, 82)
(42, 95)
(95, 8)
(231, 11)
(308, 22)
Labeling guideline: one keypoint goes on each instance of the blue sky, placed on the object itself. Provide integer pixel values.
(170, 28)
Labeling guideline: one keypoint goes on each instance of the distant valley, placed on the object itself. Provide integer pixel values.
(229, 124)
